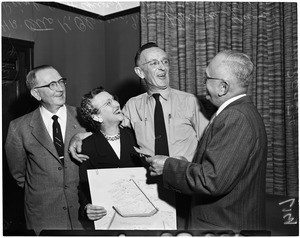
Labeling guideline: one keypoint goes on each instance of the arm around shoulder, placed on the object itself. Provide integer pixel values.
(75, 146)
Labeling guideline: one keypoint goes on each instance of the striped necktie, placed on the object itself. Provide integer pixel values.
(57, 138)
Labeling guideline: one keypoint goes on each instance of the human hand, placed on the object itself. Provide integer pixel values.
(156, 164)
(143, 152)
(95, 212)
(75, 146)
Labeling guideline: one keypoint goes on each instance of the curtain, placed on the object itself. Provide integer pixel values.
(192, 33)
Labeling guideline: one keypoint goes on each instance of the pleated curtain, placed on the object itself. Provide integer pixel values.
(192, 33)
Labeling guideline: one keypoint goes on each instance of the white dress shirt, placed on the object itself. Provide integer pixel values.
(225, 104)
(48, 121)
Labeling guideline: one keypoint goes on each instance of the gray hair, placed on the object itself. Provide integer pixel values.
(31, 81)
(240, 66)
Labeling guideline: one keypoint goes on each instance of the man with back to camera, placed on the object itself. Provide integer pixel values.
(36, 149)
(226, 179)
(183, 123)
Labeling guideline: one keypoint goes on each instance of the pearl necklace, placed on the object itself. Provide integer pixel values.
(111, 138)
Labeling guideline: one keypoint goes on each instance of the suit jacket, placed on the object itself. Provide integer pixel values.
(101, 156)
(51, 197)
(226, 179)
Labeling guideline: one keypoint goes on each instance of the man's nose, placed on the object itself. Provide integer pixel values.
(59, 87)
(161, 65)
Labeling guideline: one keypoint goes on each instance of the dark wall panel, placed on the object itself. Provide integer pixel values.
(122, 40)
(72, 43)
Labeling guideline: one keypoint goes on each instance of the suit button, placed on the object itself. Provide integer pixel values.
(59, 168)
(66, 186)
(64, 208)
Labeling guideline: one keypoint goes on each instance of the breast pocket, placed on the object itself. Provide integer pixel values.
(144, 133)
(180, 129)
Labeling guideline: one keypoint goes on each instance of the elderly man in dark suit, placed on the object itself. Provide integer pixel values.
(37, 154)
(226, 179)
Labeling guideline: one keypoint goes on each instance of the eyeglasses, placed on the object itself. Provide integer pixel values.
(206, 78)
(109, 102)
(155, 63)
(54, 84)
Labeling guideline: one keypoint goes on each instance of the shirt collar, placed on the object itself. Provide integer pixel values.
(61, 113)
(225, 104)
(165, 94)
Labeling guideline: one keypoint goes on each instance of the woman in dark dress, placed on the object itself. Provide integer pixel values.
(110, 146)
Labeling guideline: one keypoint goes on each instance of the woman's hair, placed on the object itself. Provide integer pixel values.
(87, 109)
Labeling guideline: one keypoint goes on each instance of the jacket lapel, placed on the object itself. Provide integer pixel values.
(105, 146)
(41, 134)
(207, 137)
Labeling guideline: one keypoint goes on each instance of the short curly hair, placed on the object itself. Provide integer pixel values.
(87, 109)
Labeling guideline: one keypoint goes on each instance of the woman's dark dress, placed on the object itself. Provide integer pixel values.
(101, 155)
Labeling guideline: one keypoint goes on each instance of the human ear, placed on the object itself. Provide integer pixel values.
(35, 94)
(97, 118)
(139, 72)
(224, 89)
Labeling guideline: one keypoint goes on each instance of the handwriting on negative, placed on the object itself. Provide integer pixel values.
(66, 23)
(287, 211)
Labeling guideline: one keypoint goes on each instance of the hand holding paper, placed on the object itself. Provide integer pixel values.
(94, 212)
(142, 152)
(137, 204)
(156, 164)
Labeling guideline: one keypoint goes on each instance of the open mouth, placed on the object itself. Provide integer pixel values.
(161, 76)
(118, 111)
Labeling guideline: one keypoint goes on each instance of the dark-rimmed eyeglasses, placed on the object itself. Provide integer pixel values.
(206, 78)
(155, 63)
(54, 84)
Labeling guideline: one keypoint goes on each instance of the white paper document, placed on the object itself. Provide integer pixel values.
(131, 202)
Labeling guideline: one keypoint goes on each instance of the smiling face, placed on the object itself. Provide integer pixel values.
(154, 68)
(109, 111)
(52, 100)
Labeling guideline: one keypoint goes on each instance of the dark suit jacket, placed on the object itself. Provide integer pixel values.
(51, 197)
(101, 155)
(226, 180)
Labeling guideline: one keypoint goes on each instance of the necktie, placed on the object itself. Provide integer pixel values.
(161, 140)
(57, 138)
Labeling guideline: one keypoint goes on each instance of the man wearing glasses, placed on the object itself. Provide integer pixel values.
(181, 119)
(226, 179)
(36, 149)
(184, 123)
